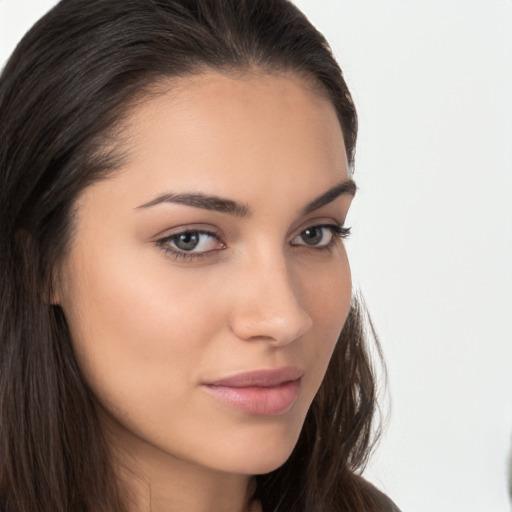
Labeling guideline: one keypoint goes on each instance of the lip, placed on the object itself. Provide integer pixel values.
(260, 392)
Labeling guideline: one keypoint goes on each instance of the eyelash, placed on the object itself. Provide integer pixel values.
(338, 231)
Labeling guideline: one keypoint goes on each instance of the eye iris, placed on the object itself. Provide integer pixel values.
(187, 241)
(312, 236)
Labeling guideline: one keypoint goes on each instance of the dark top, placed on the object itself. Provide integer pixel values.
(384, 503)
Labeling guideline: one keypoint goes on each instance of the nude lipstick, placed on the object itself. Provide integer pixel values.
(261, 392)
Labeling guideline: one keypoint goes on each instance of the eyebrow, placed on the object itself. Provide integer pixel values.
(347, 187)
(219, 204)
(200, 200)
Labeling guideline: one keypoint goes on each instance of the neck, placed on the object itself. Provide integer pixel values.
(151, 488)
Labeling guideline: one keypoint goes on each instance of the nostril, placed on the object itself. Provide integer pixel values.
(275, 323)
(269, 306)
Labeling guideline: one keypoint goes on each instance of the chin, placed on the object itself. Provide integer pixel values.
(259, 453)
(268, 465)
(257, 465)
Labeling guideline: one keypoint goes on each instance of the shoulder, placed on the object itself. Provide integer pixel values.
(381, 501)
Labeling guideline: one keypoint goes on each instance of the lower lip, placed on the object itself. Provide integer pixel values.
(258, 400)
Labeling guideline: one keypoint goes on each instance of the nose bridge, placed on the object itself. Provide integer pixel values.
(269, 304)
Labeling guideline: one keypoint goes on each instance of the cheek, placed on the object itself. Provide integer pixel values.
(328, 297)
(131, 323)
(142, 331)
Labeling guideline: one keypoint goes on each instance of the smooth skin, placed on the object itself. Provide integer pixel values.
(162, 297)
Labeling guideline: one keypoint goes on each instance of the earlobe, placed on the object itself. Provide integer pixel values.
(53, 294)
(54, 300)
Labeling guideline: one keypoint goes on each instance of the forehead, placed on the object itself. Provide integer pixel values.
(239, 134)
(233, 100)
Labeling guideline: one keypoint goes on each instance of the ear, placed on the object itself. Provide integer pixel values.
(47, 289)
(54, 299)
(53, 293)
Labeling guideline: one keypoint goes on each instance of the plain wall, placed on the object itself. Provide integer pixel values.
(432, 231)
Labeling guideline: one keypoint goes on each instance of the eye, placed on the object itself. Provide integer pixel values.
(191, 243)
(321, 236)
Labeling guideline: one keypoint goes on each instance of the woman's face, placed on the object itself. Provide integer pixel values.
(207, 281)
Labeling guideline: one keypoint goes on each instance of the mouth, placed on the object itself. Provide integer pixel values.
(262, 392)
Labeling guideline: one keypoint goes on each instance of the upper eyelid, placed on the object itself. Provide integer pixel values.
(168, 239)
(322, 221)
(208, 228)
(215, 232)
(211, 230)
(199, 228)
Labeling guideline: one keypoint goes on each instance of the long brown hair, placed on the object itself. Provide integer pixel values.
(63, 94)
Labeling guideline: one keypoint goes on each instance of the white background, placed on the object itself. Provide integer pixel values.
(432, 242)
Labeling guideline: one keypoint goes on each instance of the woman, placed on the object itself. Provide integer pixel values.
(177, 325)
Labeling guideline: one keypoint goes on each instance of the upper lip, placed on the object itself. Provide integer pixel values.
(260, 378)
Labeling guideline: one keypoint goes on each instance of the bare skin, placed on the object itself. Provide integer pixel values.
(164, 299)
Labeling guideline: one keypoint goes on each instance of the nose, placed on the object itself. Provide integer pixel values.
(267, 305)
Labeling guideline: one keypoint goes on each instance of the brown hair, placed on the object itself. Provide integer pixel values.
(62, 93)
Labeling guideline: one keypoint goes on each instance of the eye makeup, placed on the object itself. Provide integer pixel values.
(190, 244)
